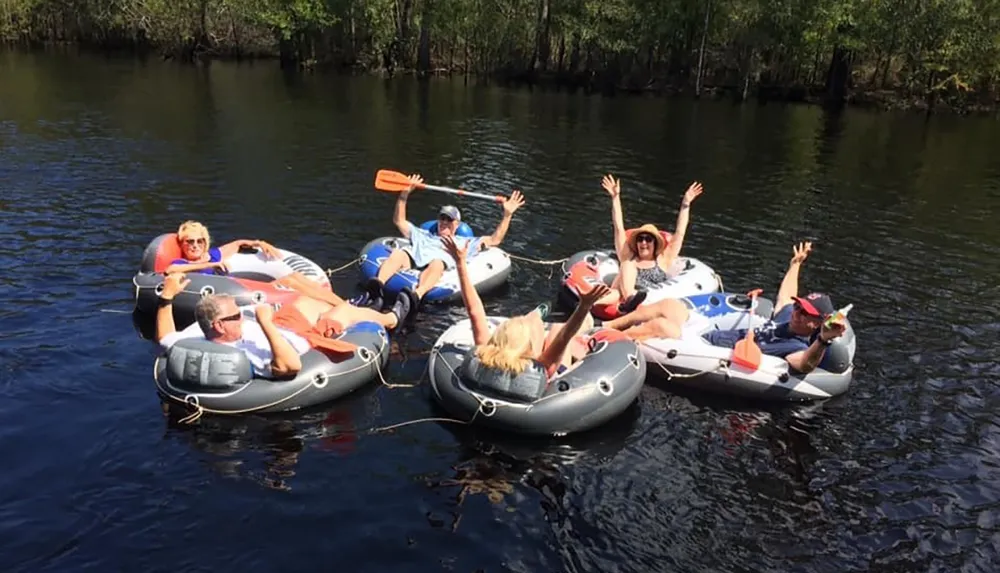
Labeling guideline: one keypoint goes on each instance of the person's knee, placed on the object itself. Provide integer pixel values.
(665, 328)
(435, 266)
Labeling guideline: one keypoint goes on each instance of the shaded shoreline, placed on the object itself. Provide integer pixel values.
(598, 83)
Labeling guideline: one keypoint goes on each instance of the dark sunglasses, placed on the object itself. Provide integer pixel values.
(645, 238)
(195, 241)
(445, 218)
(232, 317)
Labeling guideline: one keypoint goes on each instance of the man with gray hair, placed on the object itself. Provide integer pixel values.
(274, 341)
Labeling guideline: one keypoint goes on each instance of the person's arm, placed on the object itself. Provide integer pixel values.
(670, 254)
(613, 187)
(553, 353)
(790, 284)
(512, 204)
(233, 247)
(805, 361)
(399, 215)
(185, 267)
(286, 361)
(173, 285)
(473, 304)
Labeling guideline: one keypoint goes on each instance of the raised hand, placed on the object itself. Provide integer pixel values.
(415, 180)
(800, 252)
(222, 267)
(692, 192)
(588, 299)
(513, 203)
(612, 186)
(268, 250)
(457, 249)
(173, 284)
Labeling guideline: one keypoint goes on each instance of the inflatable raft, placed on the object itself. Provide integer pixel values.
(688, 277)
(211, 377)
(693, 362)
(591, 392)
(250, 278)
(488, 269)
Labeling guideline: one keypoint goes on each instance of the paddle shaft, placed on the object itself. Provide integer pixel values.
(497, 198)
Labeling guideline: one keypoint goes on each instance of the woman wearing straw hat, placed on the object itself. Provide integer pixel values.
(646, 254)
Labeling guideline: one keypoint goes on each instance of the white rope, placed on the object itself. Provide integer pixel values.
(538, 261)
(331, 272)
(192, 400)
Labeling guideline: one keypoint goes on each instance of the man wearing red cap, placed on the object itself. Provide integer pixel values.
(796, 332)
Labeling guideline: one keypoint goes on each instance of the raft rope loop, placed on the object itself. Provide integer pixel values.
(722, 366)
(192, 400)
(331, 272)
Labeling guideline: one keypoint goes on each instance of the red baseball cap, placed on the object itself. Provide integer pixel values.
(816, 304)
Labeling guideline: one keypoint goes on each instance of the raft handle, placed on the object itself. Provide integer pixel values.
(605, 387)
(207, 290)
(563, 386)
(257, 297)
(364, 354)
(783, 377)
(672, 353)
(159, 289)
(319, 380)
(633, 359)
(488, 407)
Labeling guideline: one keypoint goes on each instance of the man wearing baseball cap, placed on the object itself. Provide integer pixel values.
(796, 332)
(426, 251)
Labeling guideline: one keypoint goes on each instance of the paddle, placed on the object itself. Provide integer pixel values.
(396, 182)
(746, 353)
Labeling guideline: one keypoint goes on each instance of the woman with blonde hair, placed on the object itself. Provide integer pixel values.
(520, 341)
(645, 255)
(199, 256)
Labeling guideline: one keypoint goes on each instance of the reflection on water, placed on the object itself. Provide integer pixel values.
(98, 156)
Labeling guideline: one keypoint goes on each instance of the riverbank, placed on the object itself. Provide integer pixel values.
(590, 82)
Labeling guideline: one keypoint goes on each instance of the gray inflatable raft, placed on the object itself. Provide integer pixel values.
(215, 378)
(593, 391)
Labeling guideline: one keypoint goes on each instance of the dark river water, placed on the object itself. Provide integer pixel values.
(99, 156)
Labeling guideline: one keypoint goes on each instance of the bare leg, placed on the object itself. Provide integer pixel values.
(429, 277)
(655, 328)
(614, 296)
(348, 315)
(398, 260)
(300, 283)
(627, 273)
(671, 309)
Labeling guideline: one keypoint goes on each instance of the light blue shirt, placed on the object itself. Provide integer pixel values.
(425, 247)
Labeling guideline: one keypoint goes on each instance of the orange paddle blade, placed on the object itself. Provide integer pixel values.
(746, 353)
(392, 181)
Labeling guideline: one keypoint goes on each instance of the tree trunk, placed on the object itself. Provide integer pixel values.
(701, 50)
(540, 56)
(424, 46)
(837, 77)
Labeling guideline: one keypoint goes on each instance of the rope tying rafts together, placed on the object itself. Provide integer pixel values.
(331, 272)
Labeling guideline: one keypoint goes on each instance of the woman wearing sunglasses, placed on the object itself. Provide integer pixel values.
(645, 255)
(198, 256)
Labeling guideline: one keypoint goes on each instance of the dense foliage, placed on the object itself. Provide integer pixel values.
(914, 50)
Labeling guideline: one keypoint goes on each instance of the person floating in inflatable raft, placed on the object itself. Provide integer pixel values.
(274, 342)
(800, 330)
(426, 252)
(645, 255)
(520, 341)
(199, 256)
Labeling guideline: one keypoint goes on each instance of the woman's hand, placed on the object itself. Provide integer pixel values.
(612, 186)
(456, 250)
(692, 193)
(588, 299)
(173, 285)
(513, 203)
(221, 267)
(268, 249)
(800, 252)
